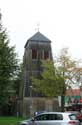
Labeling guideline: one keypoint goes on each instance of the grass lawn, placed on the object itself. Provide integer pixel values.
(9, 120)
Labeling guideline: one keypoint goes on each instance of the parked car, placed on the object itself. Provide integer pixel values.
(52, 118)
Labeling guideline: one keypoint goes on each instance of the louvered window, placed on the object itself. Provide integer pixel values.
(46, 54)
(34, 54)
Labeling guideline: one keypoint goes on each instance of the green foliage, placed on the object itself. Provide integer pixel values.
(8, 66)
(18, 87)
(57, 76)
(51, 83)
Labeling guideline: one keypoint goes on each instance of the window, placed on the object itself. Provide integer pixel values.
(55, 117)
(34, 54)
(49, 117)
(58, 117)
(41, 117)
(46, 54)
(73, 117)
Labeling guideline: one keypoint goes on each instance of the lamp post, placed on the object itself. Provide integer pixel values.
(18, 106)
(30, 100)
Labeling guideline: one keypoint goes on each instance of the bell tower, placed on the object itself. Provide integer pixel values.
(37, 48)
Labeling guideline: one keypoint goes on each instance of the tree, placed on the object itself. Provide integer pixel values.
(55, 79)
(50, 83)
(8, 66)
(17, 86)
(68, 68)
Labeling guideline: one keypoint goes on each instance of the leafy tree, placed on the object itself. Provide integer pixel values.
(50, 83)
(64, 67)
(8, 66)
(17, 86)
(68, 68)
(55, 79)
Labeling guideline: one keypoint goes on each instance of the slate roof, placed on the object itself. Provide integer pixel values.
(38, 37)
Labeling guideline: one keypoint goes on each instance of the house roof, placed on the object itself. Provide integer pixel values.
(38, 37)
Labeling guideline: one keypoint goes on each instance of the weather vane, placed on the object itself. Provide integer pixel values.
(38, 27)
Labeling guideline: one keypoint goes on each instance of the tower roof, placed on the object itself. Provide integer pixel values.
(38, 37)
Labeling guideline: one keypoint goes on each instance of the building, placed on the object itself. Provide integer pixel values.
(73, 99)
(37, 48)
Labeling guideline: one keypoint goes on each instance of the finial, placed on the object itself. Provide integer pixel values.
(38, 27)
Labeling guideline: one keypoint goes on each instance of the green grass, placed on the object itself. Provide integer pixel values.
(9, 120)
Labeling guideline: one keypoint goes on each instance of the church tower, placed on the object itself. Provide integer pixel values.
(37, 48)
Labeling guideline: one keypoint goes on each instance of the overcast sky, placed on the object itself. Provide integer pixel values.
(60, 21)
